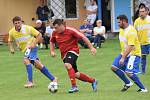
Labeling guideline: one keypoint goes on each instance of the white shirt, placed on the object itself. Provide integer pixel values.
(49, 30)
(99, 30)
(92, 8)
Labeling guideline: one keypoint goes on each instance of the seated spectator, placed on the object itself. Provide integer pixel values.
(42, 11)
(48, 33)
(41, 28)
(99, 34)
(92, 12)
(86, 28)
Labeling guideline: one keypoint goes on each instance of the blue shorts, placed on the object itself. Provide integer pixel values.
(33, 55)
(145, 49)
(131, 64)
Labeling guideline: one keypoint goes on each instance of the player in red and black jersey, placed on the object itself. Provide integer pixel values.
(67, 40)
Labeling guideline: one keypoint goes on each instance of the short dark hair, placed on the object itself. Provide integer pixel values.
(16, 18)
(142, 4)
(58, 21)
(123, 17)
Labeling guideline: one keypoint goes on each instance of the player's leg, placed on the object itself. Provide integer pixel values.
(29, 73)
(119, 71)
(143, 63)
(145, 52)
(131, 70)
(34, 60)
(44, 70)
(71, 73)
(85, 78)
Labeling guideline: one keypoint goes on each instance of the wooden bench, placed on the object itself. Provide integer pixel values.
(3, 38)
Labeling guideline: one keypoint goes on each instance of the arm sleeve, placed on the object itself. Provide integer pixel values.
(33, 31)
(77, 33)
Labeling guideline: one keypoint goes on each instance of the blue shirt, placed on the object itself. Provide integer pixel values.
(41, 12)
(88, 26)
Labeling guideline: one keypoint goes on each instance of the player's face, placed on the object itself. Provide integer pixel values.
(17, 25)
(59, 28)
(142, 13)
(120, 23)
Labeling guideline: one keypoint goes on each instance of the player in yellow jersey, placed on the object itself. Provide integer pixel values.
(142, 25)
(26, 38)
(128, 60)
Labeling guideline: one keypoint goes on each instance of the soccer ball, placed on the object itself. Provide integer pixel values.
(53, 87)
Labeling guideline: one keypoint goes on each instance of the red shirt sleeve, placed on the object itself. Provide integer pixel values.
(76, 33)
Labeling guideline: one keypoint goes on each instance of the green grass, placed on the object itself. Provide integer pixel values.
(13, 77)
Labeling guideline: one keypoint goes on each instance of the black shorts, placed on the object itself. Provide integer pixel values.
(71, 58)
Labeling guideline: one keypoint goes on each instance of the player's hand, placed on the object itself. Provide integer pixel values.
(53, 54)
(12, 51)
(31, 46)
(121, 62)
(93, 51)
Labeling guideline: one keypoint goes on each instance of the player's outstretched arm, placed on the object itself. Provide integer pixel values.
(35, 41)
(92, 49)
(11, 48)
(52, 51)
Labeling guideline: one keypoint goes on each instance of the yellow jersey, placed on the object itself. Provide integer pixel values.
(143, 29)
(127, 37)
(24, 37)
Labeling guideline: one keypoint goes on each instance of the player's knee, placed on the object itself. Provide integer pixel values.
(26, 61)
(113, 68)
(128, 74)
(68, 66)
(77, 74)
(38, 65)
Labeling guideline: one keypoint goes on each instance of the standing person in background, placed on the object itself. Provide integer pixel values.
(26, 37)
(137, 12)
(127, 62)
(67, 39)
(99, 34)
(92, 12)
(42, 11)
(142, 25)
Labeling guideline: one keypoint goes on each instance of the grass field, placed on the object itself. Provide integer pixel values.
(13, 77)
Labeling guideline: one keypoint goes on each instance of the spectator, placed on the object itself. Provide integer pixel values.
(99, 34)
(41, 28)
(48, 33)
(147, 10)
(86, 28)
(42, 11)
(92, 12)
(137, 12)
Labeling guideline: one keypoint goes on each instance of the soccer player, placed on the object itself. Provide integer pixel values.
(128, 61)
(142, 25)
(26, 38)
(67, 39)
